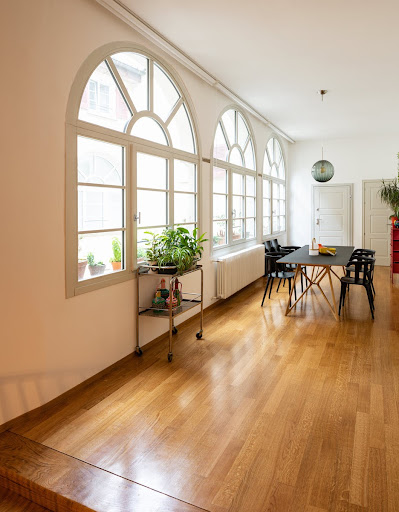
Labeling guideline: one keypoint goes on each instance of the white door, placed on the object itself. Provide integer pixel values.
(376, 223)
(332, 214)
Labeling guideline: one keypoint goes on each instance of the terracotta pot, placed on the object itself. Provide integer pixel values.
(116, 265)
(81, 269)
(96, 270)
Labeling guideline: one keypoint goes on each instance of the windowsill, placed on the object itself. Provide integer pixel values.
(230, 249)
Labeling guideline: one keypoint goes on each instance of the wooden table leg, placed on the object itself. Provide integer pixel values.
(333, 294)
(292, 289)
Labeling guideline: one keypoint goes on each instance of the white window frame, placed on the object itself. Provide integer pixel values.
(233, 168)
(76, 127)
(273, 179)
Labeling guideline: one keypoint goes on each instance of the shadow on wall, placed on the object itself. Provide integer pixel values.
(21, 393)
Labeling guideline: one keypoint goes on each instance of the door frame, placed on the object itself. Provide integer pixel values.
(364, 204)
(350, 207)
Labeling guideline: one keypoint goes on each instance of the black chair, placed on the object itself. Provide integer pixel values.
(369, 253)
(278, 271)
(363, 268)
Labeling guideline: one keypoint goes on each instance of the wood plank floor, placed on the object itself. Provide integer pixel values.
(265, 413)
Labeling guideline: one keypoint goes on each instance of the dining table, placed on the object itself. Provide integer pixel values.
(321, 265)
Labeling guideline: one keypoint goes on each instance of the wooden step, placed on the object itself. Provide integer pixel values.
(62, 483)
(12, 502)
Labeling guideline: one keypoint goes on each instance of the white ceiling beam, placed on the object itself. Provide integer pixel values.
(130, 18)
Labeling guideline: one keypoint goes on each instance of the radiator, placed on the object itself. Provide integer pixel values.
(234, 271)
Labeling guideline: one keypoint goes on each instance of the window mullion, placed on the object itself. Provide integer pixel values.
(151, 85)
(171, 187)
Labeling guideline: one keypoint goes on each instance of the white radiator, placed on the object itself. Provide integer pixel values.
(237, 270)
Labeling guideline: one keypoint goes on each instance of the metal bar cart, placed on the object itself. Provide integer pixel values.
(188, 301)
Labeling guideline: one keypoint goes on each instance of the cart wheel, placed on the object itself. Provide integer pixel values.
(174, 330)
(170, 357)
(139, 352)
(199, 335)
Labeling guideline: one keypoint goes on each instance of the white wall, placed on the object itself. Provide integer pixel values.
(354, 160)
(50, 343)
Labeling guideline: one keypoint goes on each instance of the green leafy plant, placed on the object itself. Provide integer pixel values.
(91, 261)
(176, 247)
(389, 193)
(117, 250)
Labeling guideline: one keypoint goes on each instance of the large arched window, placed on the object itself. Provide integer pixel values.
(273, 189)
(234, 181)
(135, 168)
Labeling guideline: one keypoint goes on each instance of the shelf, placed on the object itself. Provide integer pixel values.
(186, 305)
(142, 274)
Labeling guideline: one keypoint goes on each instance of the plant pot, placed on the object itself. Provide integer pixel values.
(116, 265)
(96, 270)
(171, 270)
(82, 264)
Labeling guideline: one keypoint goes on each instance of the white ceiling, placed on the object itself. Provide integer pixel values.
(277, 54)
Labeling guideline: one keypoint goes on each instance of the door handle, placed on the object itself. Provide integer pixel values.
(318, 222)
(137, 217)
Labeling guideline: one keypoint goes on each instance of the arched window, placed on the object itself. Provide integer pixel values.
(234, 181)
(133, 167)
(273, 189)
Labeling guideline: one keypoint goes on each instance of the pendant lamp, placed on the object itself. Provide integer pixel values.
(323, 170)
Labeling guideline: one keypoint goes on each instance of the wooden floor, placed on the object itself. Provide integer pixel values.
(265, 413)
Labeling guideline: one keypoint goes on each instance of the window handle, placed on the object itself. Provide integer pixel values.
(137, 217)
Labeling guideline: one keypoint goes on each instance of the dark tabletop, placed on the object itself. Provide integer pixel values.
(301, 257)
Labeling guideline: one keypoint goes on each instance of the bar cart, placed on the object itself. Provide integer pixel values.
(188, 301)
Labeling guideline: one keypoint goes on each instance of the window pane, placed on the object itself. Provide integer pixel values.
(152, 171)
(250, 210)
(276, 191)
(100, 208)
(152, 208)
(238, 229)
(275, 207)
(249, 157)
(220, 148)
(282, 191)
(165, 93)
(274, 171)
(184, 208)
(228, 119)
(219, 233)
(266, 165)
(219, 180)
(219, 206)
(276, 224)
(102, 103)
(282, 223)
(270, 150)
(266, 206)
(282, 208)
(242, 131)
(100, 162)
(238, 206)
(181, 132)
(266, 226)
(250, 185)
(147, 128)
(282, 169)
(277, 151)
(236, 157)
(184, 176)
(266, 188)
(133, 69)
(238, 183)
(103, 248)
(250, 228)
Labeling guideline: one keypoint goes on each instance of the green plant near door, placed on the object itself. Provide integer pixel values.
(389, 194)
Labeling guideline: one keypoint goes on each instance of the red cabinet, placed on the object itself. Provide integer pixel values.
(394, 252)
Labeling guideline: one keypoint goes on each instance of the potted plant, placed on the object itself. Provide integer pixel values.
(95, 269)
(177, 249)
(389, 194)
(152, 251)
(116, 260)
(82, 262)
